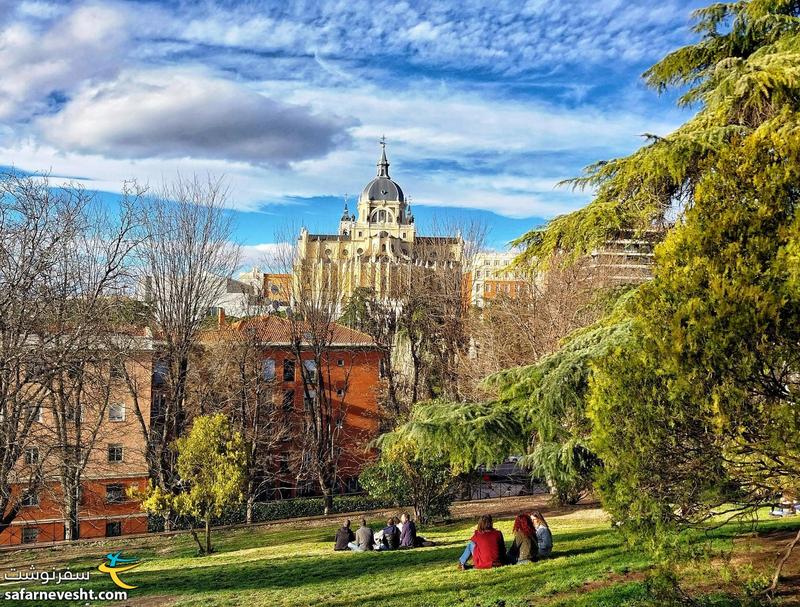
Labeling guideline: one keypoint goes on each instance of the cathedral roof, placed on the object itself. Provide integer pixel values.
(383, 187)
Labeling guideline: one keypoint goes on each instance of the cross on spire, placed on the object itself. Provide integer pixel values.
(383, 163)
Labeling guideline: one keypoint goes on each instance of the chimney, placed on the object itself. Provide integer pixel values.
(220, 317)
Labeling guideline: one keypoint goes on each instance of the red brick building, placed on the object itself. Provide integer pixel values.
(117, 460)
(351, 370)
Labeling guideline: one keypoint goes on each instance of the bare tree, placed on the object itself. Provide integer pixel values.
(234, 377)
(93, 271)
(317, 299)
(519, 329)
(186, 257)
(64, 265)
(33, 220)
(419, 321)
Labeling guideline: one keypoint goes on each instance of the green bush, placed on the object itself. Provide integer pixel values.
(286, 508)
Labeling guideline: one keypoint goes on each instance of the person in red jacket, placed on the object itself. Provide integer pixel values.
(487, 546)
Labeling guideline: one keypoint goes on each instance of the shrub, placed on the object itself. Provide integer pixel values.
(283, 509)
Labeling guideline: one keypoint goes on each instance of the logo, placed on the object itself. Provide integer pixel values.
(116, 564)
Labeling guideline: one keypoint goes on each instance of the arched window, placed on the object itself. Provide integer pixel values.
(382, 216)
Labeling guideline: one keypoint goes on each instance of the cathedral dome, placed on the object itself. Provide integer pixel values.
(383, 187)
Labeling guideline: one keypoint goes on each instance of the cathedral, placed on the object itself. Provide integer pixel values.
(376, 248)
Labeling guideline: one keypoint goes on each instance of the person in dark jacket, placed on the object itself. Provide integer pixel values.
(487, 547)
(391, 536)
(543, 536)
(364, 538)
(408, 535)
(343, 537)
(524, 549)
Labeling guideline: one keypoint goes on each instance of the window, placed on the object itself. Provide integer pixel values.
(269, 369)
(30, 535)
(340, 392)
(284, 462)
(117, 370)
(113, 529)
(311, 370)
(288, 369)
(310, 399)
(116, 412)
(29, 499)
(72, 412)
(31, 456)
(288, 400)
(115, 453)
(340, 362)
(159, 403)
(382, 368)
(35, 411)
(160, 372)
(115, 494)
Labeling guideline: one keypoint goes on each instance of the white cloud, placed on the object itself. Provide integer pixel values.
(112, 91)
(37, 61)
(269, 256)
(170, 113)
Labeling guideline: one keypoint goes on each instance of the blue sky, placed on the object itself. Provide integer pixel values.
(485, 105)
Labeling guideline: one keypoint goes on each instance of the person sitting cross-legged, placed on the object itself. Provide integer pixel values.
(364, 538)
(343, 537)
(487, 548)
(408, 533)
(390, 536)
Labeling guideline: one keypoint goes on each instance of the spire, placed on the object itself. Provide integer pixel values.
(383, 164)
(346, 213)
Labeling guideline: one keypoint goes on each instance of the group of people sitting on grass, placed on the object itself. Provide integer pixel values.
(396, 535)
(487, 547)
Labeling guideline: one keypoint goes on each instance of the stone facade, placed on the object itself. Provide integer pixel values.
(377, 247)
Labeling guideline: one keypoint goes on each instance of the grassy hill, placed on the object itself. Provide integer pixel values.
(293, 564)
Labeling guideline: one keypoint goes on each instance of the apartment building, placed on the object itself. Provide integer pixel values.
(490, 278)
(115, 463)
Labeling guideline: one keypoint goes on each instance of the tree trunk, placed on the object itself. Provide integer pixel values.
(777, 575)
(200, 548)
(168, 521)
(249, 512)
(327, 498)
(208, 534)
(71, 518)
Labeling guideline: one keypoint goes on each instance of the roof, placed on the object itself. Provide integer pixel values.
(438, 239)
(278, 331)
(382, 187)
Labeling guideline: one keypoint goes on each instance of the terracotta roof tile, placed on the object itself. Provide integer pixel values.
(278, 330)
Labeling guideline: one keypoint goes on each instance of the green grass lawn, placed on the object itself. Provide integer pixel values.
(290, 565)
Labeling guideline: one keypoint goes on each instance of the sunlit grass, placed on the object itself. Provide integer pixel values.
(295, 566)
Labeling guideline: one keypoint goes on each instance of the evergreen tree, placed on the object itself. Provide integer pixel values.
(744, 75)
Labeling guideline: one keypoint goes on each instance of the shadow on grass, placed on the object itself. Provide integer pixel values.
(298, 571)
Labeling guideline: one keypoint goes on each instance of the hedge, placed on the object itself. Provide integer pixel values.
(286, 508)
